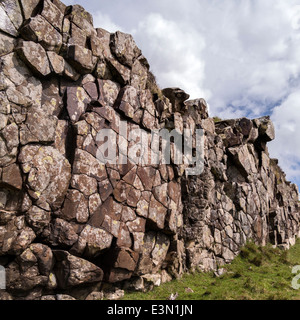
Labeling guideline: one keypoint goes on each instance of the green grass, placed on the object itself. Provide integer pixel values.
(258, 273)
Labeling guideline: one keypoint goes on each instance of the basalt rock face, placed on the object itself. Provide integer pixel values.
(72, 226)
(241, 195)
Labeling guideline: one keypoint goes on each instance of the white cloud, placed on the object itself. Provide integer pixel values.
(286, 147)
(248, 61)
(105, 22)
(175, 53)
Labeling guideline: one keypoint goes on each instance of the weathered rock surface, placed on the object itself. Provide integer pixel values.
(34, 55)
(242, 195)
(75, 227)
(72, 271)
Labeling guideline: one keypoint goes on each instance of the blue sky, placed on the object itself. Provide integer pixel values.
(243, 57)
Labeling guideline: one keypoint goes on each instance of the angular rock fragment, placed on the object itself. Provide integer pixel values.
(92, 90)
(6, 24)
(29, 7)
(84, 184)
(102, 70)
(83, 19)
(85, 163)
(61, 133)
(57, 62)
(16, 96)
(93, 241)
(197, 108)
(9, 141)
(77, 100)
(52, 14)
(104, 37)
(15, 236)
(75, 207)
(105, 189)
(70, 72)
(245, 126)
(127, 193)
(147, 175)
(137, 225)
(72, 271)
(145, 264)
(78, 36)
(128, 214)
(172, 223)
(11, 176)
(44, 257)
(266, 129)
(7, 44)
(95, 296)
(143, 207)
(23, 274)
(109, 92)
(125, 263)
(38, 127)
(94, 203)
(118, 71)
(177, 97)
(61, 6)
(243, 159)
(38, 219)
(160, 250)
(157, 213)
(112, 227)
(174, 191)
(62, 234)
(48, 174)
(109, 208)
(231, 138)
(14, 69)
(139, 75)
(96, 46)
(124, 238)
(160, 194)
(38, 29)
(52, 102)
(81, 59)
(124, 47)
(13, 10)
(129, 103)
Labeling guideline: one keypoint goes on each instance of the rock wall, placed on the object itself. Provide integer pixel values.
(73, 227)
(242, 195)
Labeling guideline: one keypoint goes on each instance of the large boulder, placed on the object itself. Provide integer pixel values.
(38, 29)
(34, 55)
(72, 271)
(48, 175)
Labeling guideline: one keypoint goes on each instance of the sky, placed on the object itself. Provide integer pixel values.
(242, 57)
